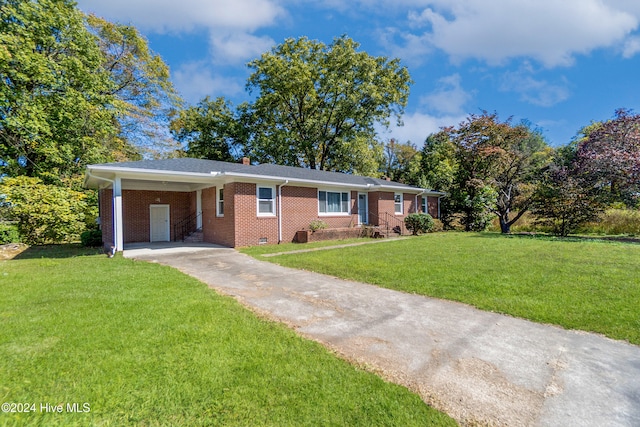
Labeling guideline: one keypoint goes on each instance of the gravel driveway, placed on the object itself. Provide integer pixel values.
(479, 367)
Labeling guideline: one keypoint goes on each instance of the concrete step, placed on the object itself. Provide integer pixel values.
(195, 237)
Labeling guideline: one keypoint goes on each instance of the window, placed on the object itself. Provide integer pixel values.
(266, 201)
(330, 202)
(220, 205)
(423, 206)
(397, 199)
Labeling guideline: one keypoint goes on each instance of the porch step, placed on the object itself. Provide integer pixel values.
(195, 237)
(382, 232)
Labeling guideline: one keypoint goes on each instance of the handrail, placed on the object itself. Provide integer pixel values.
(387, 221)
(399, 227)
(186, 226)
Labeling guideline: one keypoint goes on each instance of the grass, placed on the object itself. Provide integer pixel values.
(577, 284)
(144, 344)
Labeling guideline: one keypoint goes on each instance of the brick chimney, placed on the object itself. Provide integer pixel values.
(245, 161)
(386, 178)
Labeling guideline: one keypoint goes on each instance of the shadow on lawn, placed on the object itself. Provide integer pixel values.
(552, 238)
(68, 250)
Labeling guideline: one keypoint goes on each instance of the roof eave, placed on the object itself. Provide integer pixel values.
(292, 180)
(141, 171)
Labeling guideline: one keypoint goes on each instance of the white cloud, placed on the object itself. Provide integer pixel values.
(631, 47)
(534, 91)
(412, 48)
(550, 31)
(229, 25)
(418, 125)
(239, 47)
(187, 15)
(195, 80)
(449, 98)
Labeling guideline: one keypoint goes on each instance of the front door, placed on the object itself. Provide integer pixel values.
(160, 231)
(363, 208)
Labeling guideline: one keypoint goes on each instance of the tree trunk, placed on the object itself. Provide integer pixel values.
(505, 226)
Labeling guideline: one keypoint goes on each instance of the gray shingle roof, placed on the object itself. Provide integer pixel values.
(190, 165)
(178, 165)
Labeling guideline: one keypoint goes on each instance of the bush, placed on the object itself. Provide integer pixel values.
(419, 223)
(45, 213)
(91, 238)
(615, 222)
(9, 234)
(437, 226)
(317, 225)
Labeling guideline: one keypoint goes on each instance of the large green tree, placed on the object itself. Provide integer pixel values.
(143, 93)
(74, 90)
(318, 105)
(402, 162)
(209, 130)
(54, 93)
(488, 167)
(566, 198)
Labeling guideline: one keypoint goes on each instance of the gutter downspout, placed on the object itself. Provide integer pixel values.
(114, 213)
(286, 181)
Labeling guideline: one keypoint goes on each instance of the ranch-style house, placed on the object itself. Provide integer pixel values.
(239, 204)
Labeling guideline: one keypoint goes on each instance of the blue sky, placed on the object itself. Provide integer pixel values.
(559, 64)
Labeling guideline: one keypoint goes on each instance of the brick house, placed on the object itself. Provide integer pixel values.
(239, 204)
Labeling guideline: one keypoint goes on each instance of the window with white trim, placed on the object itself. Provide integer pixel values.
(266, 201)
(397, 202)
(220, 204)
(423, 205)
(333, 202)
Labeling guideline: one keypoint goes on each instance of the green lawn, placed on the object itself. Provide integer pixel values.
(143, 344)
(578, 284)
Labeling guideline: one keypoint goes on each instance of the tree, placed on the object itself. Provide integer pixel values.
(55, 97)
(46, 213)
(317, 106)
(401, 162)
(144, 95)
(209, 129)
(564, 200)
(517, 175)
(438, 161)
(487, 167)
(610, 154)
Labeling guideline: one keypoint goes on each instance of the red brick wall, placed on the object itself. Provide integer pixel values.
(249, 227)
(241, 225)
(106, 217)
(432, 206)
(135, 211)
(381, 202)
(215, 229)
(300, 208)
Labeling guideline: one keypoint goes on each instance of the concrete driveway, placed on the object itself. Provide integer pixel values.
(479, 367)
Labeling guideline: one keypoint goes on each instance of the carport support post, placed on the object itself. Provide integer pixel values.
(118, 239)
(199, 209)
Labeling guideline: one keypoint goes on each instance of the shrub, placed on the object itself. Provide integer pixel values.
(44, 213)
(615, 222)
(437, 225)
(9, 234)
(91, 238)
(317, 225)
(419, 223)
